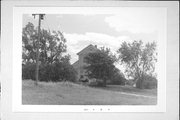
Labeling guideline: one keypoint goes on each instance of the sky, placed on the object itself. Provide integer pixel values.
(108, 30)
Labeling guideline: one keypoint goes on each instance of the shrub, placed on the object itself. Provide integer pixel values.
(149, 82)
(96, 83)
(118, 79)
(28, 71)
(100, 83)
(50, 72)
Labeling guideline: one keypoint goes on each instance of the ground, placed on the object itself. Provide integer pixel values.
(74, 94)
(132, 90)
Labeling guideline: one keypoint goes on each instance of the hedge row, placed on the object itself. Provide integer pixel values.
(52, 72)
(149, 82)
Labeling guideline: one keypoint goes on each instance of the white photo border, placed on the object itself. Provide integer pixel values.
(17, 68)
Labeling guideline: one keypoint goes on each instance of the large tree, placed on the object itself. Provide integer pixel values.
(54, 62)
(139, 59)
(52, 45)
(100, 65)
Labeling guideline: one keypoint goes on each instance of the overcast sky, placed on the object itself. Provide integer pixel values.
(108, 30)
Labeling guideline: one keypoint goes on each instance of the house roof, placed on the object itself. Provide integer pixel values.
(75, 64)
(88, 47)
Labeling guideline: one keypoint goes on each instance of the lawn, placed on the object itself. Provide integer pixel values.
(74, 94)
(132, 90)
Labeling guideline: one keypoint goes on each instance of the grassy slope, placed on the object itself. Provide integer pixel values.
(130, 89)
(74, 94)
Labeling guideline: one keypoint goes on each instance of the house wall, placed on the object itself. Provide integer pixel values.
(81, 60)
(80, 66)
(76, 66)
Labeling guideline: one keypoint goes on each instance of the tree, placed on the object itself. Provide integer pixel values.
(54, 64)
(139, 60)
(100, 65)
(118, 77)
(52, 45)
(58, 71)
(29, 39)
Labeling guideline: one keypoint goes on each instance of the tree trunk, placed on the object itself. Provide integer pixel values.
(139, 83)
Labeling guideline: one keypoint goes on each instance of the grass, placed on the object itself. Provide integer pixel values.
(74, 94)
(132, 90)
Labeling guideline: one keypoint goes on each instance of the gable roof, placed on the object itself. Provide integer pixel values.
(88, 47)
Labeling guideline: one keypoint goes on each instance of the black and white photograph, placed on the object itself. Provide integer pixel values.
(108, 58)
(91, 59)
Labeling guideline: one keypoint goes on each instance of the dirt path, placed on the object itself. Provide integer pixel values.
(137, 95)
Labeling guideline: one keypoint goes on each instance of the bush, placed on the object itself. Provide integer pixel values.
(118, 79)
(50, 72)
(96, 82)
(28, 71)
(149, 82)
(100, 83)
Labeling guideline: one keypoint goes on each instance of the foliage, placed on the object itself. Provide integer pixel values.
(54, 66)
(59, 71)
(28, 70)
(150, 82)
(52, 45)
(100, 65)
(139, 60)
(118, 78)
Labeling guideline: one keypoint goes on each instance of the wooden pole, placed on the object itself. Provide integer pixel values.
(37, 52)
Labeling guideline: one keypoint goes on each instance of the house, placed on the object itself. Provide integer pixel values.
(80, 63)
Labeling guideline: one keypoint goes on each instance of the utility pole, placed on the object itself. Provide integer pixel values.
(41, 17)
